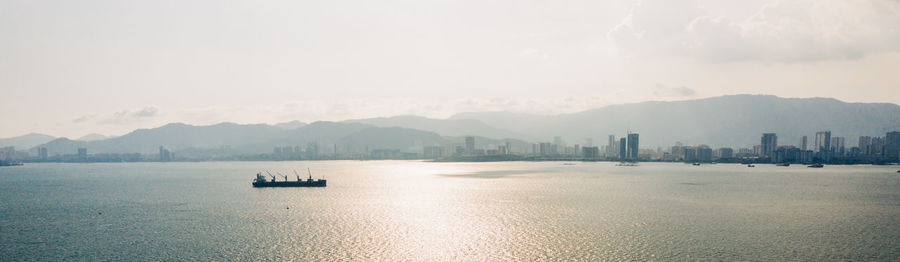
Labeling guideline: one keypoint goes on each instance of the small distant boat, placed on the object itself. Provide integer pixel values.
(568, 164)
(696, 163)
(261, 181)
(750, 165)
(627, 164)
(816, 166)
(784, 164)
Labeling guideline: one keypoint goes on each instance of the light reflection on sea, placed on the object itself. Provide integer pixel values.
(411, 210)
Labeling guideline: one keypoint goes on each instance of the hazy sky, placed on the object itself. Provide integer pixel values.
(69, 68)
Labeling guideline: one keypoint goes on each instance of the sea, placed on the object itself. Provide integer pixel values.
(431, 211)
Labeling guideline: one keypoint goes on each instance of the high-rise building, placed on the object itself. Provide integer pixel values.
(768, 143)
(803, 143)
(42, 153)
(877, 145)
(891, 149)
(726, 152)
(690, 154)
(312, 150)
(559, 142)
(470, 144)
(611, 148)
(823, 141)
(164, 154)
(865, 145)
(837, 145)
(8, 153)
(704, 153)
(632, 146)
(623, 149)
(82, 152)
(545, 149)
(590, 152)
(433, 151)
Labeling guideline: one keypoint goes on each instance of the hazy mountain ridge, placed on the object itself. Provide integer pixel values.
(26, 141)
(445, 127)
(737, 120)
(230, 138)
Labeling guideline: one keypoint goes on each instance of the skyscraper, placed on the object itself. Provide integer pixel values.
(837, 145)
(470, 144)
(823, 141)
(865, 145)
(892, 146)
(623, 147)
(632, 146)
(611, 148)
(769, 143)
(803, 143)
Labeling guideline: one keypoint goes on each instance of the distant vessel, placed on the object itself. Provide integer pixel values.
(816, 166)
(627, 164)
(261, 181)
(784, 164)
(696, 163)
(4, 163)
(750, 165)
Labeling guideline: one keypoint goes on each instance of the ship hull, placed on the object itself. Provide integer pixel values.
(320, 183)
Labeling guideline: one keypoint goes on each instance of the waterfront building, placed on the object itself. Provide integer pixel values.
(704, 153)
(470, 144)
(611, 147)
(42, 153)
(837, 145)
(590, 152)
(545, 149)
(892, 146)
(623, 149)
(726, 152)
(823, 141)
(865, 144)
(633, 142)
(690, 154)
(768, 143)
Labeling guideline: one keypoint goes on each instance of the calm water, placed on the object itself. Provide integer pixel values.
(408, 210)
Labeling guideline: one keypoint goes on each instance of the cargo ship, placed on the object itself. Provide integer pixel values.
(261, 181)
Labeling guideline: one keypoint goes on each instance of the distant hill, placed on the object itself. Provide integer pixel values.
(25, 141)
(737, 120)
(445, 127)
(291, 125)
(230, 138)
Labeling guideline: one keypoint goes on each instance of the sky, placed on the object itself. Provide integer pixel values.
(70, 68)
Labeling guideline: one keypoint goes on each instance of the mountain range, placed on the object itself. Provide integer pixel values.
(737, 120)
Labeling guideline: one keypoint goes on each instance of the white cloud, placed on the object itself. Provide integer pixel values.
(123, 117)
(673, 91)
(783, 31)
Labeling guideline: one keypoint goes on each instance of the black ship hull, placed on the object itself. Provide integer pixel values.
(319, 183)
